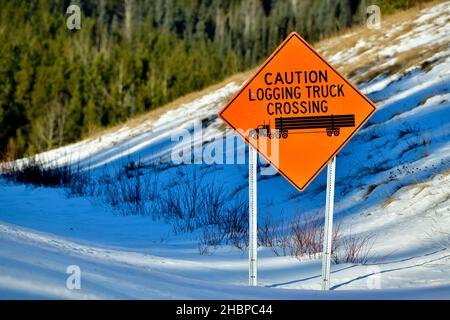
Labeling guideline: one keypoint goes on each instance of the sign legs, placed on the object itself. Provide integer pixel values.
(328, 231)
(253, 221)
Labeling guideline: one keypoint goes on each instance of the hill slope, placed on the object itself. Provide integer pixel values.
(393, 183)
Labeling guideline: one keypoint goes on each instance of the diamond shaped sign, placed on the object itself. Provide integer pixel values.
(297, 111)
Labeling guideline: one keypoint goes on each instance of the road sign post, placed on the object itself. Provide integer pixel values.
(253, 216)
(297, 111)
(328, 231)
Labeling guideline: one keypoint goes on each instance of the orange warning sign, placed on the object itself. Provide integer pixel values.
(297, 111)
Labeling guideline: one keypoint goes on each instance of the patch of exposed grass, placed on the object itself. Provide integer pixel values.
(416, 144)
(408, 129)
(368, 64)
(371, 188)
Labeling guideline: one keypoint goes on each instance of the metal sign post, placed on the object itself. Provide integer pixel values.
(254, 116)
(328, 232)
(253, 221)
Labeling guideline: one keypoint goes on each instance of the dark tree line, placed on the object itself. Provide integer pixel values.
(130, 56)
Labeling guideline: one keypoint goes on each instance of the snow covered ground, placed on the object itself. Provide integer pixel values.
(393, 183)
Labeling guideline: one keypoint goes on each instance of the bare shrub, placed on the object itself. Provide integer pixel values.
(303, 236)
(234, 224)
(182, 202)
(36, 172)
(278, 236)
(298, 236)
(192, 203)
(266, 233)
(354, 249)
(210, 237)
(231, 229)
(82, 184)
(306, 236)
(131, 191)
(213, 200)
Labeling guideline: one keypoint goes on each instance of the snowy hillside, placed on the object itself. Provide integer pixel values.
(392, 188)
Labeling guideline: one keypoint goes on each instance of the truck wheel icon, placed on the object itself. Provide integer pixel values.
(329, 133)
(284, 135)
(253, 134)
(336, 132)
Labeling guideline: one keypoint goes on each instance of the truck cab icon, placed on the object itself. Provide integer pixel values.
(264, 130)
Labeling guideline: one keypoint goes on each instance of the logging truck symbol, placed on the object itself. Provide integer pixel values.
(283, 126)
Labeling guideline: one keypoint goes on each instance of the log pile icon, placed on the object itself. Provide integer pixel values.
(284, 126)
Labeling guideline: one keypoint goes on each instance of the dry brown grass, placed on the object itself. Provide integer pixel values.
(346, 38)
(367, 66)
(446, 172)
(404, 61)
